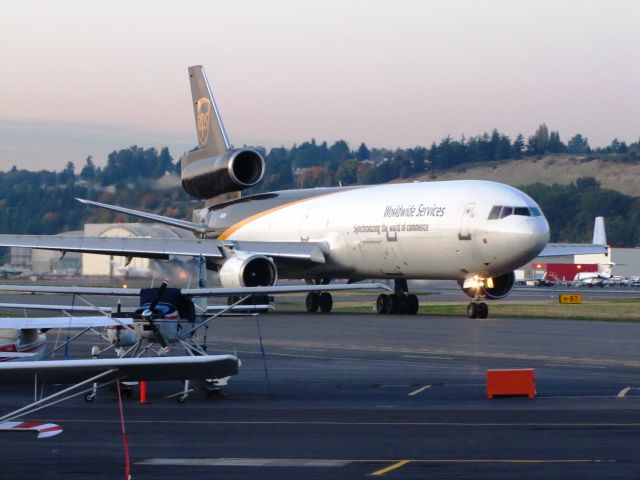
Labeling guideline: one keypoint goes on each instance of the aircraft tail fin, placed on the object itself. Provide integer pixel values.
(599, 233)
(212, 136)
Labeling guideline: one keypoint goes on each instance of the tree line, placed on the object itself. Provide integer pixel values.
(43, 202)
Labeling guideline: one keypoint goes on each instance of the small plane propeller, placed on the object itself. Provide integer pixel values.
(149, 313)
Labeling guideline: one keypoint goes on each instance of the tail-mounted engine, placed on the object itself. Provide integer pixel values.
(231, 171)
(494, 288)
(246, 269)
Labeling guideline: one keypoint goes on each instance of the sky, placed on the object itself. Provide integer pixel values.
(81, 78)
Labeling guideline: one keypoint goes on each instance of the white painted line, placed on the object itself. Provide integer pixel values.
(421, 389)
(427, 357)
(622, 393)
(244, 462)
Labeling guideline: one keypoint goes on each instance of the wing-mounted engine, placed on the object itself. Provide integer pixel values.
(494, 288)
(231, 171)
(247, 269)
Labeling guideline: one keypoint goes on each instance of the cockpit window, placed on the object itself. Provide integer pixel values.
(495, 212)
(506, 211)
(500, 211)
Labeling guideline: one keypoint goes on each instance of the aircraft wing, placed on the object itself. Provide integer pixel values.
(162, 248)
(131, 369)
(159, 248)
(559, 249)
(62, 322)
(44, 429)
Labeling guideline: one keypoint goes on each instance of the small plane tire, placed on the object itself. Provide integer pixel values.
(312, 302)
(89, 397)
(181, 398)
(483, 310)
(325, 302)
(472, 310)
(381, 303)
(412, 304)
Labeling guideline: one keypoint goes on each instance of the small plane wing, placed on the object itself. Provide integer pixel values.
(62, 322)
(66, 308)
(280, 289)
(197, 292)
(130, 369)
(44, 429)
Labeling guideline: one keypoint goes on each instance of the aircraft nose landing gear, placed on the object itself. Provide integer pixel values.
(477, 310)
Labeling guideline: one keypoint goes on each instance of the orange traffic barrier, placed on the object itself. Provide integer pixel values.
(519, 382)
(143, 391)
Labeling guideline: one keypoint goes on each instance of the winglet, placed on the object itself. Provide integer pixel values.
(599, 233)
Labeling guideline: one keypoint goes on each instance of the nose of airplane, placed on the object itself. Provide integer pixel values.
(529, 236)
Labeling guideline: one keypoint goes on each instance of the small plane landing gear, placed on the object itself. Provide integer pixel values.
(399, 302)
(477, 310)
(322, 301)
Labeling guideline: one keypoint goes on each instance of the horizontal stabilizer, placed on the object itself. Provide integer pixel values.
(130, 369)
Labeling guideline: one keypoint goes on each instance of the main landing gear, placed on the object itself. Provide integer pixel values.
(399, 302)
(322, 301)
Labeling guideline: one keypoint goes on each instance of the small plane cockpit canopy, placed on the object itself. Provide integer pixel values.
(500, 211)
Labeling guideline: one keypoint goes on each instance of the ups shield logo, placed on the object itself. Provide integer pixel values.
(203, 116)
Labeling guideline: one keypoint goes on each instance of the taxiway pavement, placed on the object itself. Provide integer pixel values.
(355, 395)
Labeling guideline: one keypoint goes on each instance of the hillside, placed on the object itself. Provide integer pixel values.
(548, 169)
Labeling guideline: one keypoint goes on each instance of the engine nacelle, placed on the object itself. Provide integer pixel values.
(494, 288)
(246, 269)
(231, 171)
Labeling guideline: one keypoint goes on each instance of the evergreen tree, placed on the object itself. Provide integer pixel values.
(88, 172)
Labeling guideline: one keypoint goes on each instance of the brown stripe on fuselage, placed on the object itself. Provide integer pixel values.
(289, 198)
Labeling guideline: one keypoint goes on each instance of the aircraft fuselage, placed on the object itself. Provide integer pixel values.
(428, 230)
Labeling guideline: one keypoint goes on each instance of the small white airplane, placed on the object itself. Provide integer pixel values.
(474, 232)
(166, 316)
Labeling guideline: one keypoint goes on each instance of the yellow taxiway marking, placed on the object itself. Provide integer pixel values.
(395, 466)
(623, 392)
(421, 389)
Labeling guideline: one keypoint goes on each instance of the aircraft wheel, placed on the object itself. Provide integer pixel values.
(181, 398)
(325, 302)
(472, 310)
(89, 397)
(483, 310)
(381, 303)
(393, 304)
(312, 302)
(412, 304)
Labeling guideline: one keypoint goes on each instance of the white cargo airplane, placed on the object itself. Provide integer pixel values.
(474, 232)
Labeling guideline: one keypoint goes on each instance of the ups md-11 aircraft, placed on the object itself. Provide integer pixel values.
(474, 232)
